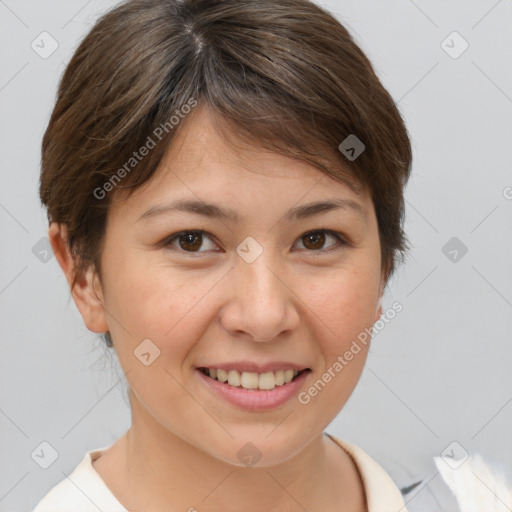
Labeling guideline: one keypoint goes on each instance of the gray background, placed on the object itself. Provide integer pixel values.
(438, 373)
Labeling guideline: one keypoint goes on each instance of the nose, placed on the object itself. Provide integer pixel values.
(261, 304)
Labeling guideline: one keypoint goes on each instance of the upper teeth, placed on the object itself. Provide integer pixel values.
(253, 380)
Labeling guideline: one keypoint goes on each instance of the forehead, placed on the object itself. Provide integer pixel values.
(205, 162)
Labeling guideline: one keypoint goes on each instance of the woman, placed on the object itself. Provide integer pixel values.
(224, 183)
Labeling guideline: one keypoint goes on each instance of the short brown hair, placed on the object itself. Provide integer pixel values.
(284, 74)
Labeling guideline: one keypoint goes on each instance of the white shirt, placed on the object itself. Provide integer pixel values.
(85, 491)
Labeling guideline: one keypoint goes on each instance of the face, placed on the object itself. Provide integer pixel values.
(264, 293)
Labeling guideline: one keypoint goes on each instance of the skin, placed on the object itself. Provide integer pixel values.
(287, 305)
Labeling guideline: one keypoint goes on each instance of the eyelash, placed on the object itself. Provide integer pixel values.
(341, 241)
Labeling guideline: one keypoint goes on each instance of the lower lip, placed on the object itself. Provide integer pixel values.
(255, 399)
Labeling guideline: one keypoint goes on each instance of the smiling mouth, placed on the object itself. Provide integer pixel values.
(253, 380)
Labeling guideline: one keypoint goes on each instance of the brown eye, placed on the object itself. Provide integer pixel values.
(315, 240)
(188, 241)
(192, 240)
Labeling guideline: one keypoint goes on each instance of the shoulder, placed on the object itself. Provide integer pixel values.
(82, 491)
(382, 495)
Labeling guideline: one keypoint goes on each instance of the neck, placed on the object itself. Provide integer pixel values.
(152, 469)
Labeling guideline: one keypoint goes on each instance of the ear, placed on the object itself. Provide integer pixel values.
(87, 292)
(378, 311)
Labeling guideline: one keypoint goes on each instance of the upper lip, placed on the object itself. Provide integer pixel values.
(251, 366)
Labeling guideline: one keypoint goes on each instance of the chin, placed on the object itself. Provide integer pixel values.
(257, 451)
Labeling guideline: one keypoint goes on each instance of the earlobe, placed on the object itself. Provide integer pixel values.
(378, 313)
(88, 298)
(87, 292)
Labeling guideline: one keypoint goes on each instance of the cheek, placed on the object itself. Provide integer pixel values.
(342, 311)
(156, 302)
(343, 305)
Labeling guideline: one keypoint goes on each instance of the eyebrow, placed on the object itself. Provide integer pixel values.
(225, 214)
